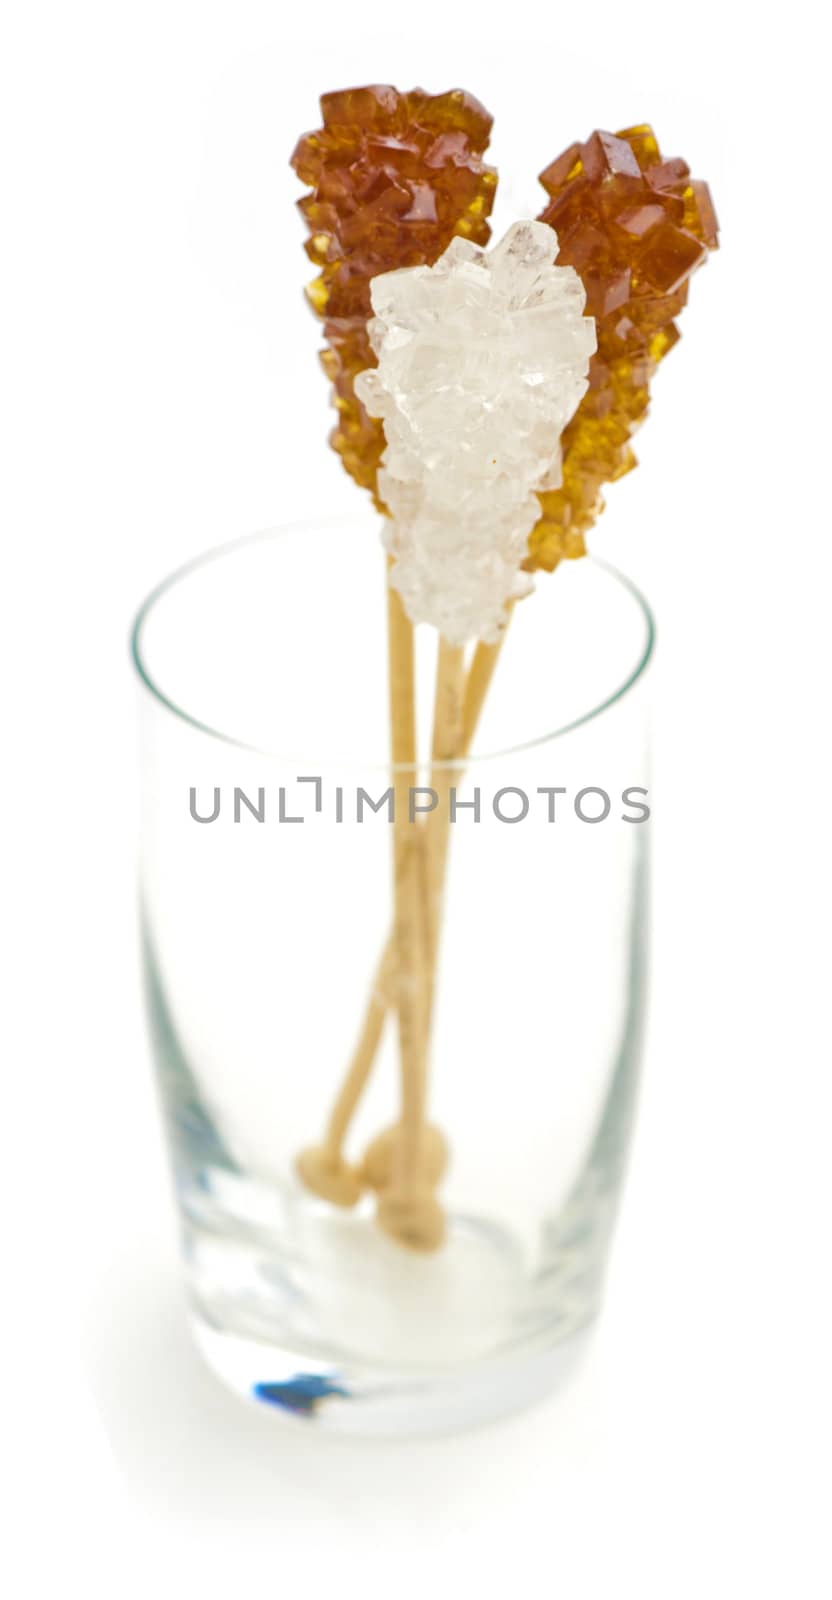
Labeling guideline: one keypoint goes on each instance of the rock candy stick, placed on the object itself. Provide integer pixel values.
(482, 360)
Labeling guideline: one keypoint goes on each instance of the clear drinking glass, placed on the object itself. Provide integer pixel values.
(264, 708)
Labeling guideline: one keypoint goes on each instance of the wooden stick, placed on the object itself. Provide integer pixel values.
(448, 725)
(409, 928)
(364, 1055)
(478, 684)
(407, 1208)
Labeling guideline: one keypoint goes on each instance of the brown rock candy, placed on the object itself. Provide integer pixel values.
(392, 177)
(634, 226)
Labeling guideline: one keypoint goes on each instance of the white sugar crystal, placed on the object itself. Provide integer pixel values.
(482, 360)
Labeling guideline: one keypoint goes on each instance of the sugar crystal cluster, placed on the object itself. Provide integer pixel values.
(482, 360)
(634, 226)
(394, 177)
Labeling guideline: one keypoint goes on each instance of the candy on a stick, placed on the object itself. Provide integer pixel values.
(634, 226)
(482, 360)
(394, 177)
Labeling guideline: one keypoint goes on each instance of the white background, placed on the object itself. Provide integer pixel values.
(160, 394)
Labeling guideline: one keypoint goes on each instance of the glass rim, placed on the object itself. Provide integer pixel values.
(217, 552)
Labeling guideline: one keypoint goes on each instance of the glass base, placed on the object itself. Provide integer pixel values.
(390, 1344)
(383, 1403)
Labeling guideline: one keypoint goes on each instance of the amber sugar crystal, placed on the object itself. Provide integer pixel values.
(634, 226)
(392, 178)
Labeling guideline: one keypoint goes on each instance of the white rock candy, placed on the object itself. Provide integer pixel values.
(482, 360)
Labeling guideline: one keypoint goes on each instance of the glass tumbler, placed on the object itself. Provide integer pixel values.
(266, 896)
